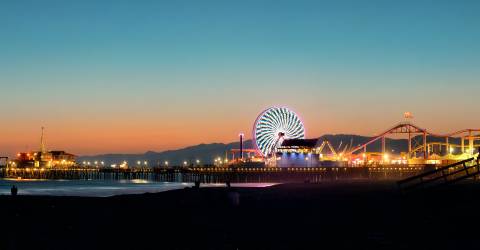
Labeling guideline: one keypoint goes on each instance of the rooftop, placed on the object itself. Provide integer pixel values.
(300, 143)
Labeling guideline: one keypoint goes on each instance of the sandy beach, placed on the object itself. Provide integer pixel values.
(334, 215)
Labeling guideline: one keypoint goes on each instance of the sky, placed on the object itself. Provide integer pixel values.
(117, 76)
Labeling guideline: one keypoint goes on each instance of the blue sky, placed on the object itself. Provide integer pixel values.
(212, 66)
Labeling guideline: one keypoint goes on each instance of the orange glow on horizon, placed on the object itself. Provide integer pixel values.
(134, 136)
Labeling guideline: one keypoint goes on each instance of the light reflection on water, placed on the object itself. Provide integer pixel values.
(91, 188)
(99, 188)
(251, 185)
(136, 181)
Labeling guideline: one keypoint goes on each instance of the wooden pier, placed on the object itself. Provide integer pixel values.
(217, 175)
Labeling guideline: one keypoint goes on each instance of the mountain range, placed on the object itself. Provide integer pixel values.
(206, 153)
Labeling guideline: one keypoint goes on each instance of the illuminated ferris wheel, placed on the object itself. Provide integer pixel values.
(274, 125)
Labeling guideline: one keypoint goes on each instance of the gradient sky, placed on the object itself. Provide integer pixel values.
(131, 76)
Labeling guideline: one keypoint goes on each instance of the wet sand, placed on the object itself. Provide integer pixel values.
(331, 215)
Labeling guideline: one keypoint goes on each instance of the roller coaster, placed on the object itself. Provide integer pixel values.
(412, 130)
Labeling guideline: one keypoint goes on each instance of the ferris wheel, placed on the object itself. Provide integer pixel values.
(274, 125)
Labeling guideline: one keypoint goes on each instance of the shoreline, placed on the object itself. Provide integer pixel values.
(97, 188)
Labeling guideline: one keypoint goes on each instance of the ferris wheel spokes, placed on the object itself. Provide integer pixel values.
(272, 126)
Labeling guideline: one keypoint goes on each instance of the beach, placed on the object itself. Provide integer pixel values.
(329, 215)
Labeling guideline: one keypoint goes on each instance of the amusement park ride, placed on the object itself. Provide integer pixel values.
(279, 141)
(412, 130)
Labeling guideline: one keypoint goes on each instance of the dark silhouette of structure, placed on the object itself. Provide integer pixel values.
(441, 176)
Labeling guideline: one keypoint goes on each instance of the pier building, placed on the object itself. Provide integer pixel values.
(307, 153)
(43, 158)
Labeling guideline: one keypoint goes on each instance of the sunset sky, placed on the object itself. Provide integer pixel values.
(130, 76)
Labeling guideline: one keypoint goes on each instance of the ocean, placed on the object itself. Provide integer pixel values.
(99, 188)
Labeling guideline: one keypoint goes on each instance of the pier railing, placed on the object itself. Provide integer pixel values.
(217, 175)
(443, 175)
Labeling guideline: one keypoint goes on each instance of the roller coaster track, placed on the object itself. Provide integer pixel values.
(419, 148)
(412, 129)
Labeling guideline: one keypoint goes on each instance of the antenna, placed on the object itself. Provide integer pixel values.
(42, 142)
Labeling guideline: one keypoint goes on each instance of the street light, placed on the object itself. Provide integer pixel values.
(185, 163)
(198, 162)
(385, 158)
(166, 163)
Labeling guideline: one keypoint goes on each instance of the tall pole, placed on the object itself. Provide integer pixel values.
(447, 147)
(383, 146)
(470, 142)
(425, 153)
(463, 144)
(42, 142)
(241, 146)
(409, 144)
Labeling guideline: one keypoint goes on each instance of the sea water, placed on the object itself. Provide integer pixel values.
(98, 188)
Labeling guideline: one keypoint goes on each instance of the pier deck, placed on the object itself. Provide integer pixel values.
(217, 175)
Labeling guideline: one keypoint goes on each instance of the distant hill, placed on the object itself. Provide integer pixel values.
(206, 153)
